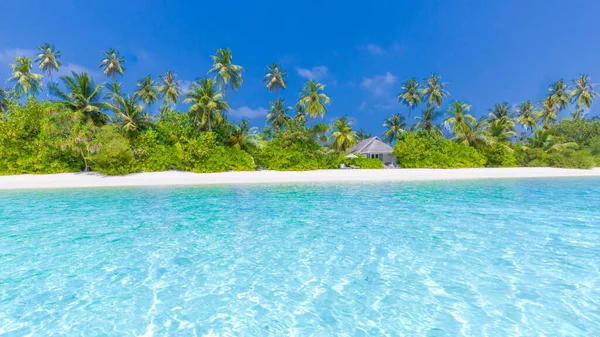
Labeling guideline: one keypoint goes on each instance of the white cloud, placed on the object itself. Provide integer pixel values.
(185, 86)
(375, 49)
(362, 106)
(67, 69)
(379, 85)
(249, 112)
(9, 55)
(314, 73)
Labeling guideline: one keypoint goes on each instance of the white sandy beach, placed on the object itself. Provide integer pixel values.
(80, 180)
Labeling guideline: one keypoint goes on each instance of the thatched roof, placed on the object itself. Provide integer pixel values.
(372, 145)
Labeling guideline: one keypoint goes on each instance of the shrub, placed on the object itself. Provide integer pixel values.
(114, 156)
(367, 163)
(425, 150)
(580, 131)
(31, 142)
(571, 159)
(499, 155)
(294, 151)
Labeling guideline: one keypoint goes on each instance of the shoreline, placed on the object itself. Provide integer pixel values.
(178, 178)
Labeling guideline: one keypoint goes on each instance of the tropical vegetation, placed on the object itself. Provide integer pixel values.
(83, 125)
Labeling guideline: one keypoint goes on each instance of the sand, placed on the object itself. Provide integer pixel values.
(171, 178)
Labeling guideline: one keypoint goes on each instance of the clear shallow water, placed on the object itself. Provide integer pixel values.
(495, 258)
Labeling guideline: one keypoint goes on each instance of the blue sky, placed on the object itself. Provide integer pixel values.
(489, 51)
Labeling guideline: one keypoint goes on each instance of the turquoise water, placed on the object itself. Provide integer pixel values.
(481, 258)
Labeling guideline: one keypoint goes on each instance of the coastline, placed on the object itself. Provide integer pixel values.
(177, 178)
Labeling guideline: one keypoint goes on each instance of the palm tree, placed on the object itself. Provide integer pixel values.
(542, 139)
(548, 112)
(426, 121)
(114, 92)
(501, 123)
(300, 115)
(169, 89)
(278, 116)
(47, 59)
(320, 131)
(4, 100)
(25, 82)
(275, 78)
(131, 115)
(244, 137)
(84, 97)
(343, 137)
(147, 90)
(559, 92)
(410, 95)
(362, 135)
(584, 94)
(434, 91)
(313, 99)
(226, 73)
(112, 63)
(207, 103)
(394, 125)
(458, 119)
(527, 115)
(475, 134)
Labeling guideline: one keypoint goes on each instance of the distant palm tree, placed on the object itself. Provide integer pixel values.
(313, 99)
(300, 115)
(25, 82)
(48, 59)
(320, 131)
(278, 116)
(362, 135)
(559, 92)
(501, 123)
(112, 63)
(475, 134)
(434, 91)
(244, 137)
(4, 100)
(583, 93)
(207, 103)
(410, 95)
(275, 78)
(395, 126)
(226, 73)
(114, 92)
(84, 97)
(131, 115)
(343, 137)
(169, 89)
(527, 115)
(426, 121)
(549, 112)
(458, 119)
(147, 90)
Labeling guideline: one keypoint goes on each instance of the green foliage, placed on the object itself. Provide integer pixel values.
(114, 156)
(565, 158)
(156, 152)
(580, 131)
(571, 159)
(366, 163)
(425, 150)
(28, 143)
(498, 155)
(530, 157)
(295, 149)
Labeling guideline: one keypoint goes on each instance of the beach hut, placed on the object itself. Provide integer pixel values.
(375, 148)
